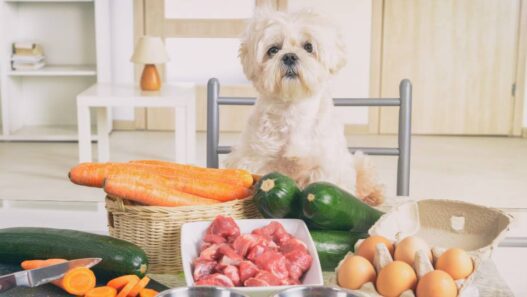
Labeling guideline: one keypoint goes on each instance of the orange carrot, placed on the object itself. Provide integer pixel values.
(126, 290)
(121, 281)
(231, 176)
(101, 292)
(148, 189)
(34, 264)
(93, 175)
(140, 285)
(148, 293)
(90, 174)
(76, 281)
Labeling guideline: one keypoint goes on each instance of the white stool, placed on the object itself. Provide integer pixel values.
(102, 96)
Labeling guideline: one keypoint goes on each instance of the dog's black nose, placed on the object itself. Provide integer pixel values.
(289, 59)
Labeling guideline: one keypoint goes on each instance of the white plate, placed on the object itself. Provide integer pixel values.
(192, 234)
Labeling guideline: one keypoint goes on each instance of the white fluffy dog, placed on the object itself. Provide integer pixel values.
(290, 58)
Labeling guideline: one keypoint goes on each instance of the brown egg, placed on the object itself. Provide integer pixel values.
(455, 262)
(367, 247)
(406, 249)
(395, 278)
(354, 272)
(436, 283)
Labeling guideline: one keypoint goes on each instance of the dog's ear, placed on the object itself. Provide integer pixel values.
(337, 60)
(248, 51)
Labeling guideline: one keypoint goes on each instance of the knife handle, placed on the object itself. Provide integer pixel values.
(7, 282)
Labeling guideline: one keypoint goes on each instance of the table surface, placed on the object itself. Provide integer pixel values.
(131, 90)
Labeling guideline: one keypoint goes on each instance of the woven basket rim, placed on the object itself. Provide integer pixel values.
(116, 204)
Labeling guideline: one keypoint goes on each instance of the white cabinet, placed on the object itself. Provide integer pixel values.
(40, 104)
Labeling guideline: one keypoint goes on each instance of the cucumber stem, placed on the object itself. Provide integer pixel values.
(267, 185)
(310, 197)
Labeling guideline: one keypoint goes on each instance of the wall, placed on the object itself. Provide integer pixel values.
(525, 100)
(192, 60)
(122, 43)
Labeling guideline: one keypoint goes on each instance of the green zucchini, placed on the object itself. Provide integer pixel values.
(332, 246)
(119, 257)
(328, 207)
(277, 196)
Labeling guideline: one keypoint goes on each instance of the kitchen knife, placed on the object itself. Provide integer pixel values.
(40, 276)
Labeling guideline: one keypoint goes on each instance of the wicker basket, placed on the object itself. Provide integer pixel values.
(157, 229)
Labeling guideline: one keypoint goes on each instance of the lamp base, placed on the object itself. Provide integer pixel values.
(150, 80)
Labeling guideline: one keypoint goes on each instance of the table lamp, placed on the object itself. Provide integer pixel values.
(150, 50)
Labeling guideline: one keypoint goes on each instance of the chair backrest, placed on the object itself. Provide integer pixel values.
(404, 137)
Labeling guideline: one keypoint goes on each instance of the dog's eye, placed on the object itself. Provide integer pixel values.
(272, 51)
(308, 47)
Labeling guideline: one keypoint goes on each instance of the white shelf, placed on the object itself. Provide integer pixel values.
(58, 70)
(46, 133)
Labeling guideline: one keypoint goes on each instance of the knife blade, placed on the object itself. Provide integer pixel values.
(37, 277)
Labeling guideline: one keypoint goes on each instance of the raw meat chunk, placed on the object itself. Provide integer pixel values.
(228, 256)
(273, 262)
(293, 244)
(210, 253)
(298, 261)
(233, 273)
(274, 231)
(246, 242)
(247, 270)
(213, 238)
(215, 279)
(225, 227)
(202, 268)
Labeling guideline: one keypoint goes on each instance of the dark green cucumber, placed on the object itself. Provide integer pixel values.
(328, 207)
(332, 246)
(119, 257)
(277, 196)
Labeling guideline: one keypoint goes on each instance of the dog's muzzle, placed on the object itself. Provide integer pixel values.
(289, 60)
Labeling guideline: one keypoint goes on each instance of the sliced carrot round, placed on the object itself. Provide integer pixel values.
(126, 290)
(78, 281)
(148, 293)
(140, 285)
(121, 281)
(101, 292)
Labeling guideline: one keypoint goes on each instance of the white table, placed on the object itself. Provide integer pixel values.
(180, 97)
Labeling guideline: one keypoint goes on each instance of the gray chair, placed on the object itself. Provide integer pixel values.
(402, 151)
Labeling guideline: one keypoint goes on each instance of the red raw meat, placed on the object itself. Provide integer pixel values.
(274, 262)
(298, 261)
(233, 273)
(225, 227)
(213, 238)
(263, 278)
(256, 251)
(202, 268)
(269, 256)
(228, 257)
(210, 253)
(293, 244)
(275, 231)
(247, 270)
(244, 243)
(215, 279)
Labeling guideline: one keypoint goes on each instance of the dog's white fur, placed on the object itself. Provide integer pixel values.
(293, 128)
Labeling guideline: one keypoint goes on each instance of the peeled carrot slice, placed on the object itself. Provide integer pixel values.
(140, 285)
(126, 290)
(101, 292)
(78, 281)
(148, 293)
(34, 264)
(121, 281)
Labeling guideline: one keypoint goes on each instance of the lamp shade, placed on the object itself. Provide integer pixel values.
(149, 50)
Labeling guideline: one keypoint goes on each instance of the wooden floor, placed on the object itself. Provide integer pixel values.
(484, 170)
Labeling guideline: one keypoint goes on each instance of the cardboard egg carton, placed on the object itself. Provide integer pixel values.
(442, 224)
